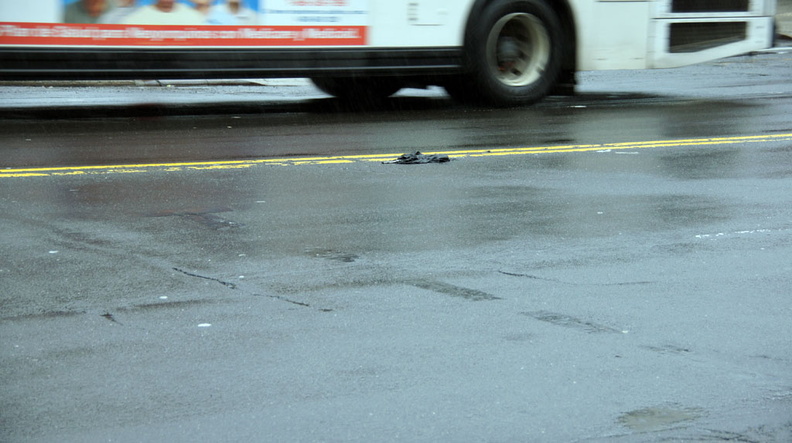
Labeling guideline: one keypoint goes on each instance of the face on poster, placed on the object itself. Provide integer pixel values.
(202, 22)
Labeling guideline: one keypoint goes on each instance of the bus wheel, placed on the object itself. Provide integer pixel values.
(514, 53)
(358, 88)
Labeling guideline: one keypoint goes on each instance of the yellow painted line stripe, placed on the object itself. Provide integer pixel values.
(346, 159)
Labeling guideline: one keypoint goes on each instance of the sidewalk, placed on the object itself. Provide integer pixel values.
(281, 82)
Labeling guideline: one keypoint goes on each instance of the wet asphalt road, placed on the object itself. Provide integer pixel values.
(178, 264)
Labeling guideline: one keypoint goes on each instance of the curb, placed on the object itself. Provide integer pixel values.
(285, 82)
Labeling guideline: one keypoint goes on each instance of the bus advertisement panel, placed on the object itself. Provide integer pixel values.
(182, 23)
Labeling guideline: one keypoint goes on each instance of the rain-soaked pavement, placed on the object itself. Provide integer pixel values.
(200, 265)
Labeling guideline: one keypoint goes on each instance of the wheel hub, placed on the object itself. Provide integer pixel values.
(518, 49)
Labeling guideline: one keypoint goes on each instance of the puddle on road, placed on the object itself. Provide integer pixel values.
(659, 418)
(206, 217)
(331, 254)
(571, 322)
(181, 304)
(454, 291)
(668, 349)
(44, 315)
(212, 221)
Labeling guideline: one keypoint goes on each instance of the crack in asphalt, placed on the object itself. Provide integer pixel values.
(224, 283)
(234, 286)
(536, 277)
(294, 302)
(110, 317)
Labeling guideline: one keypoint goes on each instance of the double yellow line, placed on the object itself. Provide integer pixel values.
(241, 164)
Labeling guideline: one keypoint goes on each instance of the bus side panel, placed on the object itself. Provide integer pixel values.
(636, 34)
(612, 34)
(416, 23)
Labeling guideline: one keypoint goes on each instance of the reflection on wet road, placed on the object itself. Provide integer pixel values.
(745, 96)
(330, 160)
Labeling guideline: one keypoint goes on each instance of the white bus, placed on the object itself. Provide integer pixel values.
(501, 52)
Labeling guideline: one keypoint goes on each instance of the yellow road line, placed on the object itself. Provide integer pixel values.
(346, 159)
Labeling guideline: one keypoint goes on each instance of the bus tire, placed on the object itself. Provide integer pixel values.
(513, 54)
(356, 89)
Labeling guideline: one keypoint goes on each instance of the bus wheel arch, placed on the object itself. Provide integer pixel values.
(359, 89)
